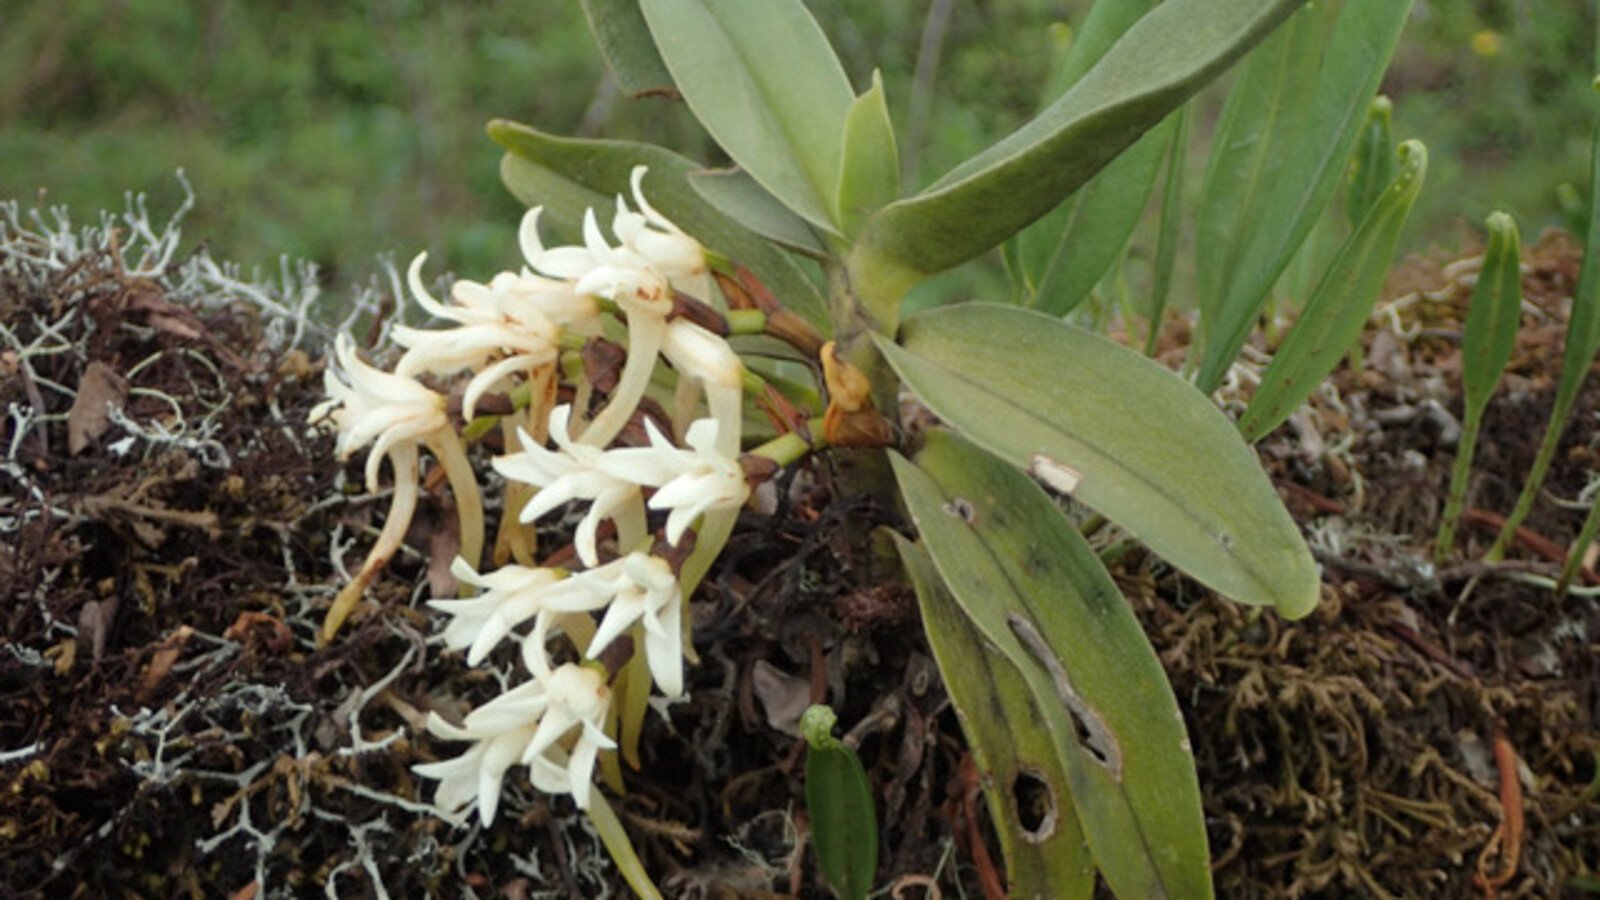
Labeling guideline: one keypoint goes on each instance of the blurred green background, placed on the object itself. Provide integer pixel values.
(337, 130)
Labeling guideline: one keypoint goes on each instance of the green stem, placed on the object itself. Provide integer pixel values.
(1458, 484)
(1541, 466)
(1580, 546)
(746, 321)
(785, 449)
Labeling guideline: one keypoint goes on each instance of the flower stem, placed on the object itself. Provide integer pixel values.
(463, 480)
(401, 508)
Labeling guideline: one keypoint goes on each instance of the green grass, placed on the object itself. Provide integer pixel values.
(335, 131)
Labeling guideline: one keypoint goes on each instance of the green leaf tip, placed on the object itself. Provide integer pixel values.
(816, 726)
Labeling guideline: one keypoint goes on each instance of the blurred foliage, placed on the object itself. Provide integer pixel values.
(337, 130)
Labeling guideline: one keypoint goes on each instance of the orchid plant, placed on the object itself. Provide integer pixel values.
(763, 305)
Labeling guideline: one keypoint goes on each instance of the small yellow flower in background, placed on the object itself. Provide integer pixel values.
(1486, 43)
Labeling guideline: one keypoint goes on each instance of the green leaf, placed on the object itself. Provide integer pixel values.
(1340, 305)
(1495, 312)
(1163, 59)
(1120, 433)
(1266, 110)
(1029, 582)
(1373, 167)
(1104, 214)
(1002, 720)
(625, 42)
(1270, 227)
(623, 856)
(869, 177)
(738, 195)
(844, 824)
(762, 79)
(1106, 23)
(1583, 340)
(1169, 233)
(1493, 316)
(570, 175)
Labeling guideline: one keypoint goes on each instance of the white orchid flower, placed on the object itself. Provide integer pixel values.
(638, 275)
(511, 595)
(573, 472)
(667, 247)
(526, 725)
(705, 358)
(489, 324)
(371, 406)
(395, 414)
(636, 588)
(689, 482)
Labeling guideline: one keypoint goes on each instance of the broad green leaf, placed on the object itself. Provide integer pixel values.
(570, 175)
(1125, 436)
(1333, 318)
(1169, 234)
(1004, 725)
(625, 42)
(738, 195)
(844, 823)
(1303, 180)
(1029, 582)
(1373, 166)
(1266, 110)
(1104, 214)
(1493, 315)
(762, 79)
(1163, 59)
(869, 175)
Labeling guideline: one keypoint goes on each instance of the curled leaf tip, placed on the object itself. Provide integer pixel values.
(816, 726)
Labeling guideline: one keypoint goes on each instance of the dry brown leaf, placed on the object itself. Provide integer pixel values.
(100, 388)
(783, 696)
(94, 624)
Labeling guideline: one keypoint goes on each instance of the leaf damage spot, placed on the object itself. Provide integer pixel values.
(1061, 478)
(1036, 805)
(1094, 736)
(961, 508)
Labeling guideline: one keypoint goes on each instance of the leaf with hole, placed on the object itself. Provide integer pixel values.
(1032, 586)
(1040, 835)
(1151, 454)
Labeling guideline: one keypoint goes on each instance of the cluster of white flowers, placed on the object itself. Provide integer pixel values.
(510, 332)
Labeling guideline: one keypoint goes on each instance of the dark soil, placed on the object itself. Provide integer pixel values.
(169, 727)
